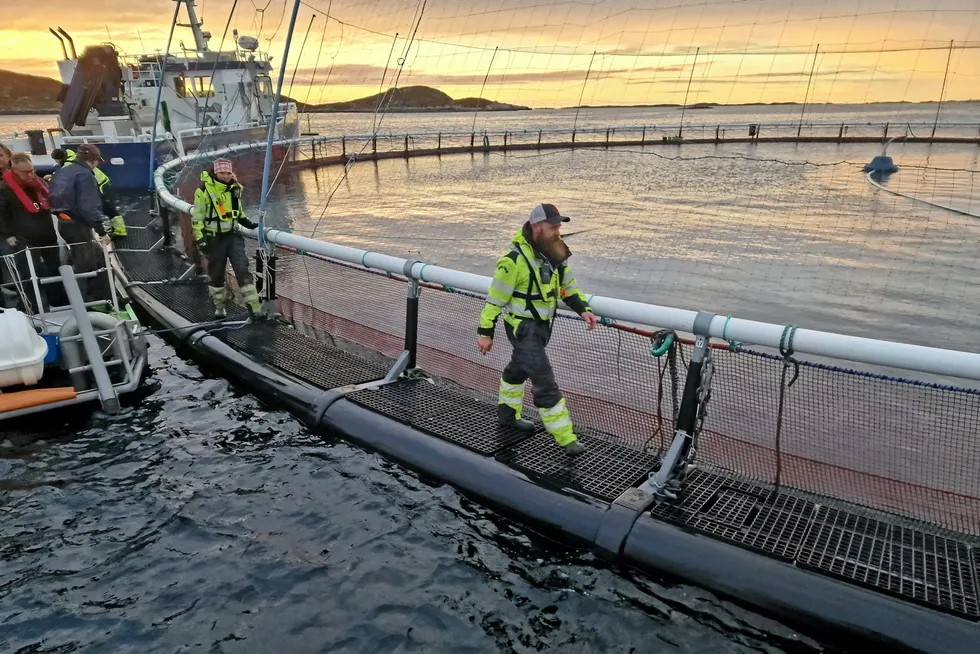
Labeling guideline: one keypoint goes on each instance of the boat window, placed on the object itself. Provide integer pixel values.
(202, 87)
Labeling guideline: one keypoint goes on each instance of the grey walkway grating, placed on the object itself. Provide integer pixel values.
(318, 363)
(152, 265)
(913, 564)
(741, 512)
(604, 471)
(442, 412)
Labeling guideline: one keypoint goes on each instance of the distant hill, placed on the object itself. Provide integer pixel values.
(28, 94)
(413, 98)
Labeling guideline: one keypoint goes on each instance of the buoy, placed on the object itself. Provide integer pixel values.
(881, 164)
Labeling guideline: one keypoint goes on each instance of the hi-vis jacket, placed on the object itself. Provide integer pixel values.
(216, 207)
(527, 287)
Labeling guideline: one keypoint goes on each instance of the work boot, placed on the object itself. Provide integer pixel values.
(220, 298)
(574, 448)
(506, 417)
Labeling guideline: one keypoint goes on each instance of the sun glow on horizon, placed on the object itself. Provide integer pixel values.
(558, 54)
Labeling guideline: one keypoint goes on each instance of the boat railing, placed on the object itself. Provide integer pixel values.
(24, 280)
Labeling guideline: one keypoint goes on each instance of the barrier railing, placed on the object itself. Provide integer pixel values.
(861, 435)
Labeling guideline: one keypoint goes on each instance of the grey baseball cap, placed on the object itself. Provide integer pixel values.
(547, 213)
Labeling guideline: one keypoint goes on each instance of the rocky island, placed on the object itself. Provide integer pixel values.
(412, 98)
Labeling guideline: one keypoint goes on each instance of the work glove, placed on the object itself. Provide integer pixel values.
(202, 247)
(248, 223)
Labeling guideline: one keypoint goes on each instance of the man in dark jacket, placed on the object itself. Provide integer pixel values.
(25, 222)
(75, 199)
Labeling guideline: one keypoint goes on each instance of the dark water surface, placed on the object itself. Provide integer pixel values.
(200, 521)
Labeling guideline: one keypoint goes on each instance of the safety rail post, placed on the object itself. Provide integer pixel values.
(439, 143)
(343, 146)
(539, 139)
(164, 212)
(472, 139)
(884, 134)
(643, 136)
(406, 146)
(675, 461)
(505, 141)
(717, 133)
(840, 134)
(374, 144)
(406, 360)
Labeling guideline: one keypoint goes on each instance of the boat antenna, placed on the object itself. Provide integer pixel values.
(272, 126)
(156, 109)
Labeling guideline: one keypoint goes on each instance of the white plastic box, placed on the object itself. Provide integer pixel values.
(22, 350)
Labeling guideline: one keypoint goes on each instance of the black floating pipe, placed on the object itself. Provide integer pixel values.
(74, 54)
(64, 50)
(820, 605)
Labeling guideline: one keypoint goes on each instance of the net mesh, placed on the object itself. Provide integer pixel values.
(893, 444)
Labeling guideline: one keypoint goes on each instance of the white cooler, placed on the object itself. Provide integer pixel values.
(22, 350)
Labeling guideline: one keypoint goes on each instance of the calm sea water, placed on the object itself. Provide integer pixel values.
(782, 233)
(198, 520)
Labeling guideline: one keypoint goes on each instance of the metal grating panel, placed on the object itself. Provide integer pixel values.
(190, 301)
(745, 513)
(913, 564)
(142, 232)
(318, 363)
(152, 265)
(604, 471)
(441, 412)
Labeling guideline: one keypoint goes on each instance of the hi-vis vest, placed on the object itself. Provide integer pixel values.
(100, 177)
(527, 287)
(216, 207)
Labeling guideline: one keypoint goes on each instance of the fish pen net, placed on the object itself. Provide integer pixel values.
(889, 443)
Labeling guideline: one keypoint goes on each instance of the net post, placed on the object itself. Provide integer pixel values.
(406, 360)
(164, 212)
(676, 459)
(411, 314)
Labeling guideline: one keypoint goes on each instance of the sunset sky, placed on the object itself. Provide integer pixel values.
(645, 50)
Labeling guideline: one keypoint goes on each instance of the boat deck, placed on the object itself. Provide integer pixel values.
(913, 561)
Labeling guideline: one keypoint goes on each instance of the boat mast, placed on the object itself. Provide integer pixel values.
(272, 127)
(199, 41)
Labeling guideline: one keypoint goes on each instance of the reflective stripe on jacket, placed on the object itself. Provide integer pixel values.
(526, 286)
(216, 207)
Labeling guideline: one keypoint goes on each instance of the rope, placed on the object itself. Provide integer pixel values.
(732, 345)
(668, 345)
(786, 351)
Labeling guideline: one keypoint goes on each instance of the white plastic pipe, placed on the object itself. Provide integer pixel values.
(919, 358)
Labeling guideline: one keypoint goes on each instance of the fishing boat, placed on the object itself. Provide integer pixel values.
(90, 351)
(141, 106)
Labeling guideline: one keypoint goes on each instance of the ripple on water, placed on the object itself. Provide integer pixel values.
(201, 521)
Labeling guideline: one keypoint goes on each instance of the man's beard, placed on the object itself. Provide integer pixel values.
(555, 249)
